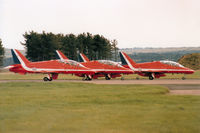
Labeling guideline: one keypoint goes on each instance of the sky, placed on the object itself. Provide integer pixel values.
(133, 23)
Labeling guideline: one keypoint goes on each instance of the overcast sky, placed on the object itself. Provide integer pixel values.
(134, 23)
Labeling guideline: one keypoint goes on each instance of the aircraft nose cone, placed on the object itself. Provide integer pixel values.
(192, 71)
(8, 67)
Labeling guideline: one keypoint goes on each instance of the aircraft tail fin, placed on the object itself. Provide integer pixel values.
(60, 55)
(83, 58)
(19, 58)
(126, 60)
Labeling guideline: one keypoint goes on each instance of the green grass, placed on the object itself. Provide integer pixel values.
(88, 108)
(13, 76)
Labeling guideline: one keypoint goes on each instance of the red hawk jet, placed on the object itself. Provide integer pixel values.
(103, 68)
(154, 69)
(52, 67)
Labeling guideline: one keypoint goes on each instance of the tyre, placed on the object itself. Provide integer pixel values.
(45, 79)
(50, 79)
(151, 78)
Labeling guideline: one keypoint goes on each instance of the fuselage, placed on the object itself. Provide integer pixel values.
(52, 66)
(161, 66)
(154, 69)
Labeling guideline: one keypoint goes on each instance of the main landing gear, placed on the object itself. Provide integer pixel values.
(47, 79)
(51, 77)
(151, 76)
(108, 77)
(87, 78)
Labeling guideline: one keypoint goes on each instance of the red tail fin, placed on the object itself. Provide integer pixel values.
(126, 60)
(61, 55)
(83, 58)
(18, 57)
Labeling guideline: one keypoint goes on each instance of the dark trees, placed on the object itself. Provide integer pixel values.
(42, 46)
(1, 53)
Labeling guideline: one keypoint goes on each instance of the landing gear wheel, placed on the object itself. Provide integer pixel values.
(50, 79)
(45, 79)
(108, 78)
(151, 78)
(183, 78)
(87, 78)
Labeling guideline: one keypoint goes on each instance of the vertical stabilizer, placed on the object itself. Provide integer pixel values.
(18, 57)
(60, 55)
(83, 58)
(126, 60)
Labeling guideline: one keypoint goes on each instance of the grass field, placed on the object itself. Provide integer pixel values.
(12, 76)
(88, 108)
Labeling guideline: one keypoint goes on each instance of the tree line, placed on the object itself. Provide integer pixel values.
(1, 53)
(42, 46)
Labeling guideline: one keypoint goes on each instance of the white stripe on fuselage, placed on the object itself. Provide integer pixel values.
(158, 70)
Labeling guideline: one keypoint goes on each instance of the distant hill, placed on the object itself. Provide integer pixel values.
(191, 61)
(8, 52)
(159, 50)
(8, 57)
(156, 54)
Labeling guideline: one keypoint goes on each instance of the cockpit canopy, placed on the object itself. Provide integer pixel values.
(172, 63)
(109, 62)
(72, 63)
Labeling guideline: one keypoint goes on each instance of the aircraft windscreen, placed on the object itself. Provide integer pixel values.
(109, 62)
(73, 63)
(172, 63)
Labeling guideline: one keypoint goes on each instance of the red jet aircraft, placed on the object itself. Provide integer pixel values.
(154, 69)
(104, 68)
(52, 67)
